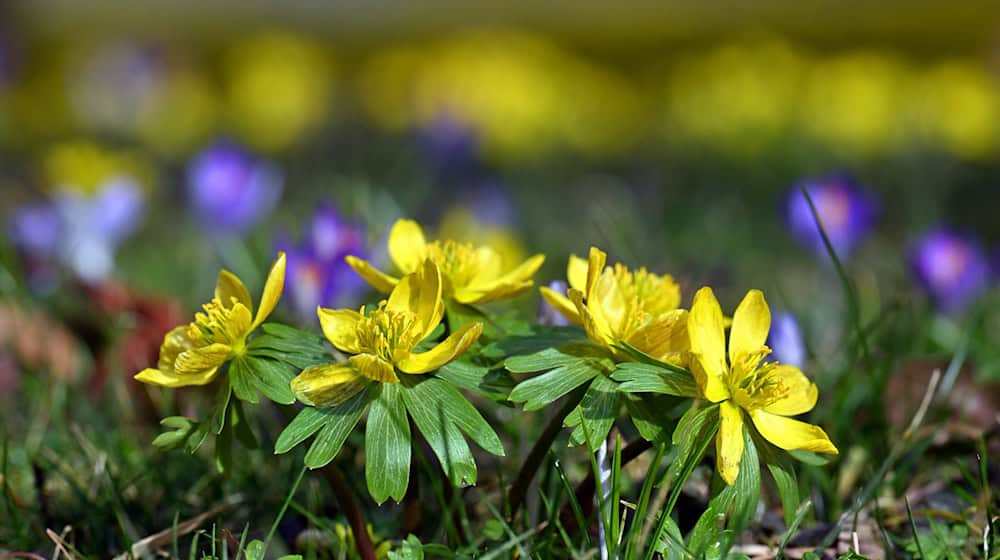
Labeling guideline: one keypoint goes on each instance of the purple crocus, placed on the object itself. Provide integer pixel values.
(951, 268)
(230, 190)
(83, 231)
(785, 340)
(847, 213)
(316, 273)
(450, 145)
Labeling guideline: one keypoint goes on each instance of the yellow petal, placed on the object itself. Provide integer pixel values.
(378, 279)
(597, 330)
(174, 343)
(167, 378)
(608, 304)
(273, 286)
(374, 368)
(751, 323)
(407, 245)
(491, 293)
(327, 384)
(729, 442)
(595, 266)
(228, 286)
(787, 433)
(666, 334)
(196, 361)
(451, 348)
(340, 326)
(420, 293)
(511, 284)
(708, 345)
(576, 273)
(801, 393)
(562, 304)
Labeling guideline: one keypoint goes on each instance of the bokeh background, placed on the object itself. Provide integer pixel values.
(143, 145)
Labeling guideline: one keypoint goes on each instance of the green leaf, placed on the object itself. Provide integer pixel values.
(442, 435)
(643, 358)
(540, 338)
(599, 408)
(492, 384)
(556, 357)
(671, 543)
(808, 457)
(292, 346)
(341, 419)
(387, 446)
(646, 378)
(271, 378)
(783, 472)
(737, 501)
(458, 410)
(654, 416)
(220, 408)
(254, 550)
(241, 380)
(306, 423)
(543, 389)
(183, 428)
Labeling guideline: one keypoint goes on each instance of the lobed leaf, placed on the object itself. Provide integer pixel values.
(543, 389)
(648, 378)
(599, 408)
(387, 445)
(341, 419)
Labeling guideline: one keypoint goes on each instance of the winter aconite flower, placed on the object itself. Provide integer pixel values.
(469, 274)
(616, 305)
(745, 385)
(192, 354)
(384, 341)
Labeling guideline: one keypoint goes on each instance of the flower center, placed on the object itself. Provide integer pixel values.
(753, 384)
(646, 296)
(220, 324)
(387, 333)
(457, 262)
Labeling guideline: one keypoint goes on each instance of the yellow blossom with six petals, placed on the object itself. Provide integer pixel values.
(382, 341)
(616, 305)
(469, 274)
(745, 385)
(192, 354)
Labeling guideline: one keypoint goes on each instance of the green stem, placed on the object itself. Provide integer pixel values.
(349, 505)
(519, 489)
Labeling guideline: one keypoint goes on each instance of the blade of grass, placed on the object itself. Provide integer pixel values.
(631, 538)
(800, 514)
(284, 508)
(913, 528)
(581, 520)
(854, 308)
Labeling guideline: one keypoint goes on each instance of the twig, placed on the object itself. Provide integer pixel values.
(349, 505)
(159, 540)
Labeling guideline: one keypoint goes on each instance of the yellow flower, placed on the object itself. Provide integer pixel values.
(469, 274)
(192, 354)
(744, 385)
(615, 305)
(383, 341)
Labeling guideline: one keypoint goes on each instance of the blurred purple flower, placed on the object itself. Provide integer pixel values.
(81, 231)
(316, 273)
(36, 229)
(450, 145)
(547, 315)
(230, 190)
(951, 268)
(785, 340)
(847, 213)
(94, 226)
(489, 202)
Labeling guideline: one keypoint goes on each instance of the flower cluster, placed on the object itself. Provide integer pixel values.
(393, 358)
